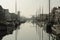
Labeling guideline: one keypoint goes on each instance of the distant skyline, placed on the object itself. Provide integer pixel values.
(28, 7)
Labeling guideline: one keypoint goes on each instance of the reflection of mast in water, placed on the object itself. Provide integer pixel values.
(35, 24)
(42, 21)
(49, 16)
(38, 29)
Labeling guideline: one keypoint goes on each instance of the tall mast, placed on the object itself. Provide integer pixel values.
(16, 6)
(49, 10)
(36, 24)
(16, 18)
(42, 21)
(49, 16)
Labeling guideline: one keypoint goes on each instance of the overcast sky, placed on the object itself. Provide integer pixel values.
(28, 7)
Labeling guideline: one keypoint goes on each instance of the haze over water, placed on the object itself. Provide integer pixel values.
(27, 31)
(27, 8)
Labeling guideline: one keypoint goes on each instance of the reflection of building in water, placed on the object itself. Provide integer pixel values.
(53, 25)
(8, 22)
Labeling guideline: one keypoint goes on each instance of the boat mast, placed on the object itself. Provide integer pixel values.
(16, 18)
(49, 10)
(49, 16)
(42, 21)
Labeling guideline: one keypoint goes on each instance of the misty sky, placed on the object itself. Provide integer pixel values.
(28, 7)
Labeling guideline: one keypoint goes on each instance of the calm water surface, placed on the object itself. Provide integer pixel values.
(28, 31)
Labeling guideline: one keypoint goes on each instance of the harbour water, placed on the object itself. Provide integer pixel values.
(28, 31)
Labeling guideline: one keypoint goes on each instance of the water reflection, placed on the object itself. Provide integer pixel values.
(27, 32)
